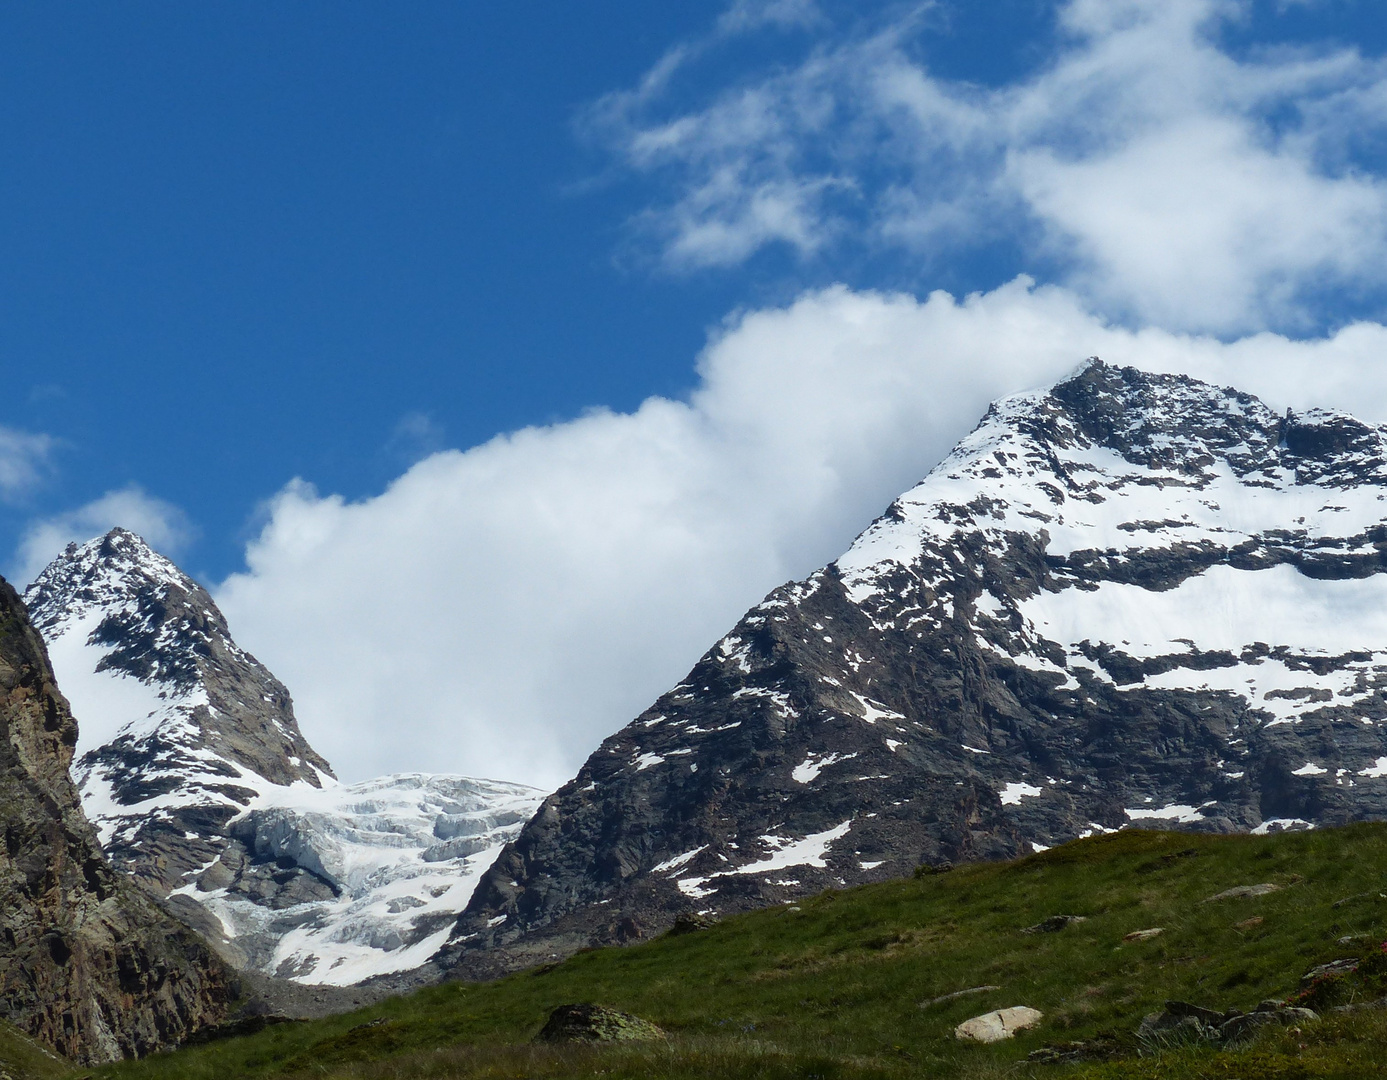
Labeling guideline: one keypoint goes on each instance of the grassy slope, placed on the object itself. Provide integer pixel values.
(21, 1057)
(834, 989)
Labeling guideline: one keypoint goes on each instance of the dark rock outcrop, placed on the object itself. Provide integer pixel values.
(89, 964)
(595, 1023)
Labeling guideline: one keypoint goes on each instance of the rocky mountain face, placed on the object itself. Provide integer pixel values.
(1129, 600)
(194, 771)
(89, 964)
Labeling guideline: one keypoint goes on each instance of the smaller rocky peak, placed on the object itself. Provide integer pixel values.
(1330, 437)
(181, 728)
(1167, 421)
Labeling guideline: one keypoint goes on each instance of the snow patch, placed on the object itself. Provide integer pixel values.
(1179, 812)
(809, 769)
(1276, 825)
(677, 861)
(1013, 793)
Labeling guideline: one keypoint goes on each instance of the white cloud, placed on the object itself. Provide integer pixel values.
(164, 525)
(745, 15)
(416, 435)
(1170, 180)
(25, 459)
(499, 611)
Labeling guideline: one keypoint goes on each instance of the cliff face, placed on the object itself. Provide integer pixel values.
(89, 964)
(182, 729)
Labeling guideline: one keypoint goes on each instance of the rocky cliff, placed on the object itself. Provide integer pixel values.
(89, 964)
(1127, 600)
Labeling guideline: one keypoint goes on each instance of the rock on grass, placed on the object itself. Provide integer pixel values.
(594, 1023)
(996, 1026)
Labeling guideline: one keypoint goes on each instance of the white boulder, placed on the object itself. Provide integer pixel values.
(996, 1026)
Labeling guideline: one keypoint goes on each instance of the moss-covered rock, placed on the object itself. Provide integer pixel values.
(594, 1023)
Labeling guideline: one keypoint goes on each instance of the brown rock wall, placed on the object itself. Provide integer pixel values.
(89, 964)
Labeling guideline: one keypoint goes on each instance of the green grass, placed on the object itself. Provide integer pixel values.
(834, 989)
(21, 1057)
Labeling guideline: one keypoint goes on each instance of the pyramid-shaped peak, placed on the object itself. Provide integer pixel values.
(173, 714)
(101, 572)
(1130, 599)
(120, 545)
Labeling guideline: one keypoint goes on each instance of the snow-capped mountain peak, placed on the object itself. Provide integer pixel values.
(1129, 599)
(1159, 463)
(179, 728)
(195, 773)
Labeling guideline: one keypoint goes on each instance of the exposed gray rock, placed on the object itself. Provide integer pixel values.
(1182, 1024)
(1333, 968)
(595, 1023)
(1360, 1006)
(1054, 924)
(1243, 892)
(1239, 1027)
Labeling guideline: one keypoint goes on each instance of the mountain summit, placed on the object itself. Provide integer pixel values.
(1131, 599)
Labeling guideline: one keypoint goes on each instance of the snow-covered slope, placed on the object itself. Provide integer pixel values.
(1170, 545)
(1127, 600)
(193, 770)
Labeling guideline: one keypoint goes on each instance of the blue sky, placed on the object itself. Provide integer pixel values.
(248, 242)
(261, 259)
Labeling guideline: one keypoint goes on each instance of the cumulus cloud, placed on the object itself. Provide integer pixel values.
(164, 525)
(1170, 180)
(499, 611)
